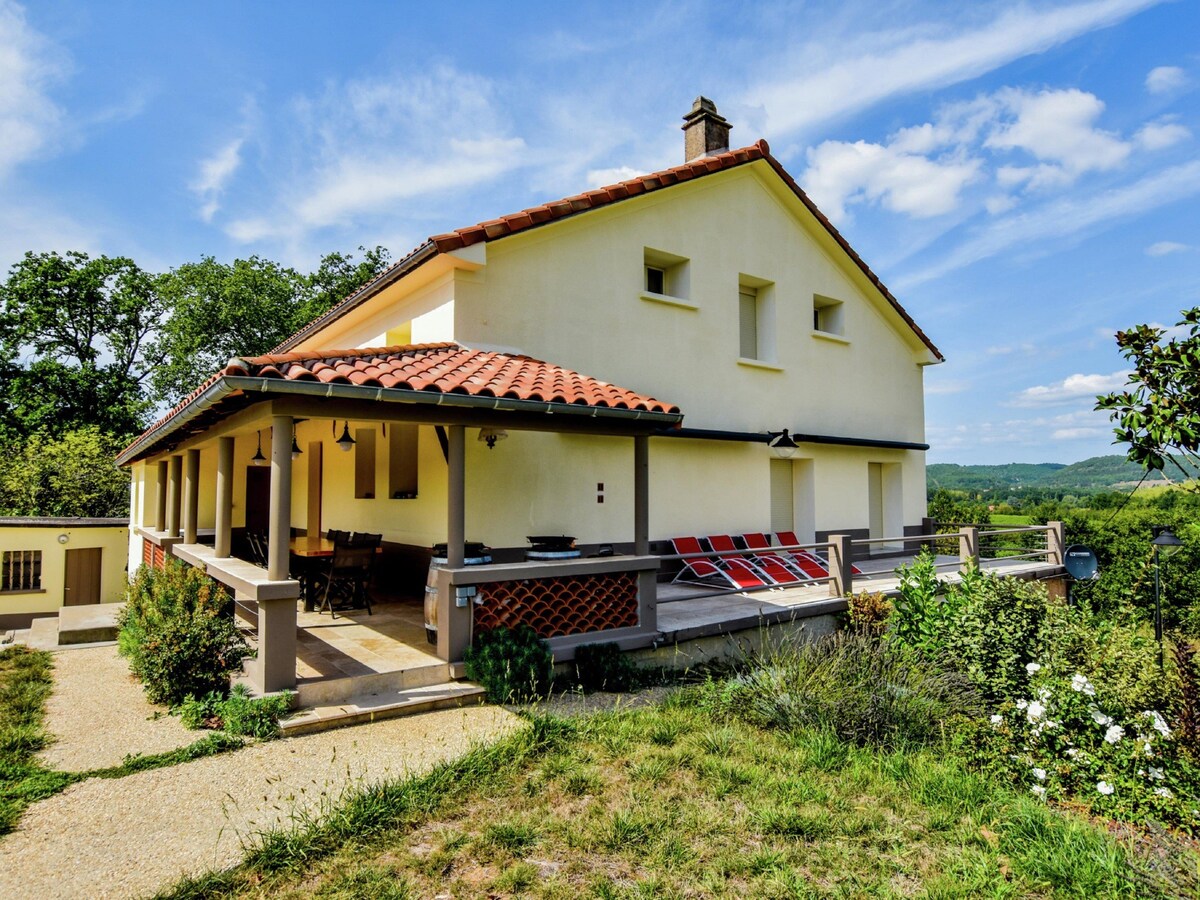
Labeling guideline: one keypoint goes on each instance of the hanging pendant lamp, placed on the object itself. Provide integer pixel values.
(258, 459)
(345, 441)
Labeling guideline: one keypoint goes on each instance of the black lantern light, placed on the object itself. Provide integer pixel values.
(1164, 539)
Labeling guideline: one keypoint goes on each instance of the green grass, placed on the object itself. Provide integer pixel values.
(676, 802)
(25, 683)
(1002, 519)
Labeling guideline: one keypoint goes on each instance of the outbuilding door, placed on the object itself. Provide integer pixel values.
(83, 576)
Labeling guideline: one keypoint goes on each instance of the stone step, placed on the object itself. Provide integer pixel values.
(43, 633)
(327, 690)
(365, 708)
(88, 624)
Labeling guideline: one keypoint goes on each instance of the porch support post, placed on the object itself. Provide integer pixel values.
(191, 495)
(641, 495)
(968, 546)
(1056, 543)
(223, 545)
(174, 494)
(277, 618)
(280, 523)
(840, 566)
(160, 498)
(454, 622)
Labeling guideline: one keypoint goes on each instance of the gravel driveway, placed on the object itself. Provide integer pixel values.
(133, 836)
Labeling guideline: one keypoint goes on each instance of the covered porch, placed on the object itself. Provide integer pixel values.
(197, 460)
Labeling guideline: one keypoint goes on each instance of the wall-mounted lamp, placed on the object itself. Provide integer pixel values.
(781, 444)
(490, 435)
(258, 459)
(63, 538)
(345, 441)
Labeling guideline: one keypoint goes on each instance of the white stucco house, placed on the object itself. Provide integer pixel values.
(714, 293)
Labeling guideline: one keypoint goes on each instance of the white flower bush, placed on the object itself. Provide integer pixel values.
(1064, 740)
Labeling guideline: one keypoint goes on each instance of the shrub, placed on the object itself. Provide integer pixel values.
(859, 688)
(1068, 739)
(513, 665)
(869, 612)
(603, 667)
(238, 714)
(174, 633)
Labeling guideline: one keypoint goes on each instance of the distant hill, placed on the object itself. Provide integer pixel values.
(1100, 473)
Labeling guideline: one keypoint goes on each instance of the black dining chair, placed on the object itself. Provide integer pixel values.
(348, 579)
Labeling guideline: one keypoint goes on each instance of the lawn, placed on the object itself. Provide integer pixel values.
(1009, 519)
(676, 801)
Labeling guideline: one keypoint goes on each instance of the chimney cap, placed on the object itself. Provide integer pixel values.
(702, 106)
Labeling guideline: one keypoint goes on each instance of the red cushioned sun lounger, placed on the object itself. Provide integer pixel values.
(760, 544)
(736, 572)
(773, 569)
(805, 558)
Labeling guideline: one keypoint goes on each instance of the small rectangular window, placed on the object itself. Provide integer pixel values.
(402, 461)
(666, 274)
(828, 315)
(748, 323)
(364, 463)
(21, 570)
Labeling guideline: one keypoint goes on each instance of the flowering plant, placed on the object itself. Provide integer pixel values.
(1067, 741)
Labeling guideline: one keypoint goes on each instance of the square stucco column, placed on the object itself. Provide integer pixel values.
(160, 497)
(840, 566)
(191, 495)
(174, 495)
(277, 618)
(223, 544)
(280, 523)
(647, 581)
(454, 622)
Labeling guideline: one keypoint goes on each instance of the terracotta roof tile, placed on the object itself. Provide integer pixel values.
(439, 368)
(532, 217)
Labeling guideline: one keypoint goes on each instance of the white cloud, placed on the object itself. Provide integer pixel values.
(1163, 79)
(839, 173)
(1161, 134)
(29, 65)
(1064, 218)
(364, 148)
(1071, 388)
(1162, 248)
(1058, 129)
(812, 86)
(215, 172)
(603, 177)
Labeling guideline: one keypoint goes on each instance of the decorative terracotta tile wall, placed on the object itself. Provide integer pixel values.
(152, 555)
(554, 607)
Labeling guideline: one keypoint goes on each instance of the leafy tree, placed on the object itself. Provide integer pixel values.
(71, 475)
(244, 308)
(1160, 410)
(74, 333)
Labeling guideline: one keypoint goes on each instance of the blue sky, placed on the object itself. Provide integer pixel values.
(1024, 177)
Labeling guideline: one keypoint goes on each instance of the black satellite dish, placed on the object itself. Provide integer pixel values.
(1080, 562)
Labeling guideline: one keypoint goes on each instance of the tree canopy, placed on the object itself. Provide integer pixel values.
(1159, 411)
(92, 348)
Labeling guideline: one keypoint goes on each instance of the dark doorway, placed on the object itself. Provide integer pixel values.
(258, 499)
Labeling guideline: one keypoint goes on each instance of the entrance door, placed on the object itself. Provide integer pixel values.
(258, 499)
(783, 510)
(83, 577)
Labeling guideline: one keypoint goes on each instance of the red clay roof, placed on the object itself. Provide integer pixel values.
(447, 368)
(569, 206)
(432, 368)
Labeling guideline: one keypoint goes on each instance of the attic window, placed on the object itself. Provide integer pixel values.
(756, 319)
(828, 315)
(666, 278)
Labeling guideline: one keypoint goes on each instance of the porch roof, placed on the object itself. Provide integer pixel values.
(446, 375)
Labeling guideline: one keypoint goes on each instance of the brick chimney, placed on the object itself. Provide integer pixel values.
(705, 131)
